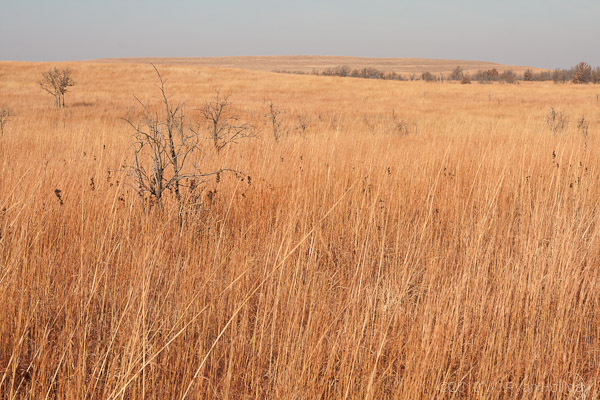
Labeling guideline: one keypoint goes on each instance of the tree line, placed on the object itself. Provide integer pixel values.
(581, 73)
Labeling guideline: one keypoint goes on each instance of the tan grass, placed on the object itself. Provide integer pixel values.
(406, 65)
(357, 261)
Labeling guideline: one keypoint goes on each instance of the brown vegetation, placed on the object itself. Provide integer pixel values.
(402, 240)
(308, 64)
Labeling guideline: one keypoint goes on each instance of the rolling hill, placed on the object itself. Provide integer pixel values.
(310, 63)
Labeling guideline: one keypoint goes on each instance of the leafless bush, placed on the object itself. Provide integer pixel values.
(223, 125)
(162, 145)
(5, 114)
(428, 77)
(400, 126)
(57, 82)
(582, 127)
(466, 80)
(557, 121)
(273, 115)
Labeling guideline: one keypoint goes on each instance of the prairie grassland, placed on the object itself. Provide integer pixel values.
(310, 63)
(448, 250)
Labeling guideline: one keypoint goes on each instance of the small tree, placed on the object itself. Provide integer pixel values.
(57, 82)
(224, 127)
(583, 73)
(5, 114)
(456, 75)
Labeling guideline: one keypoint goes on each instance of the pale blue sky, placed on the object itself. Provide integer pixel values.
(542, 33)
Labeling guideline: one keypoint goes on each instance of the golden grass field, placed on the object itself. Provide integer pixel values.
(456, 258)
(309, 64)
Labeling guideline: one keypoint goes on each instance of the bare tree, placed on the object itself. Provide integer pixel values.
(57, 82)
(5, 114)
(163, 143)
(583, 73)
(224, 126)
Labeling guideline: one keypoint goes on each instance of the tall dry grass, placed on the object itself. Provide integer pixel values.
(456, 258)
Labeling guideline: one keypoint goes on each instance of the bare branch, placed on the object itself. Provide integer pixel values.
(223, 126)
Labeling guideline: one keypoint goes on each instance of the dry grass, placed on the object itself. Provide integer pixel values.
(309, 63)
(357, 261)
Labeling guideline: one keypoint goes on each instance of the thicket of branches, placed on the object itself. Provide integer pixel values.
(166, 144)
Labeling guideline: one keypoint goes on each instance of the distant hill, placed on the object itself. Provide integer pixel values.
(310, 63)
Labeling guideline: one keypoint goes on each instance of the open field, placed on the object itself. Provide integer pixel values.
(401, 240)
(310, 63)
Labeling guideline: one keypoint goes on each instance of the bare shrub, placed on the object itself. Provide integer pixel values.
(162, 145)
(400, 126)
(57, 82)
(274, 116)
(428, 77)
(223, 125)
(582, 127)
(557, 121)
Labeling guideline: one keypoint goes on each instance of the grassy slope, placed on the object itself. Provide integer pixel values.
(310, 63)
(358, 262)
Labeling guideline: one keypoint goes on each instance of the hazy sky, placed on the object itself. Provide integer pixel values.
(543, 33)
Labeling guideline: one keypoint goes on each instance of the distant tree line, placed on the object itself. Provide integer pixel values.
(581, 73)
(365, 73)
